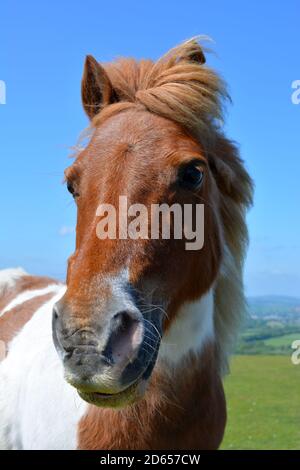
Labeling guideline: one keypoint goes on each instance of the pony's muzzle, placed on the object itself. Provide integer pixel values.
(107, 358)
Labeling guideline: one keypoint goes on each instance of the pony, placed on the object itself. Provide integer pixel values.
(131, 352)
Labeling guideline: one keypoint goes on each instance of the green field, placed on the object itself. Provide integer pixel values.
(285, 340)
(263, 401)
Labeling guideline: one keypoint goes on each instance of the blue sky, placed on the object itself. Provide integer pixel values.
(42, 49)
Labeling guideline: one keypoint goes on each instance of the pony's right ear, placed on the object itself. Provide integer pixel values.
(96, 88)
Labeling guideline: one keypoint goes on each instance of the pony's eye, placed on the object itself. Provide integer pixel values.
(191, 176)
(71, 189)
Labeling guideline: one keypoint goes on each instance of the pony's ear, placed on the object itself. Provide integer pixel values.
(192, 52)
(96, 88)
(196, 53)
(188, 51)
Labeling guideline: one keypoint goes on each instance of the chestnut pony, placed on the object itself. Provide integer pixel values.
(144, 327)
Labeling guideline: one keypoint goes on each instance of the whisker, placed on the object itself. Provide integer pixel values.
(152, 324)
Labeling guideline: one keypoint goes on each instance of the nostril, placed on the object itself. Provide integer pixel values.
(55, 313)
(56, 330)
(122, 321)
(126, 333)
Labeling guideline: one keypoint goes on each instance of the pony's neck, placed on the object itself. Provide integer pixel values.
(182, 409)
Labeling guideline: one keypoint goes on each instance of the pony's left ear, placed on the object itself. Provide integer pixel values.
(190, 51)
(96, 88)
(194, 52)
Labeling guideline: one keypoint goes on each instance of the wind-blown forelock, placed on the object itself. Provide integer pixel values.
(178, 86)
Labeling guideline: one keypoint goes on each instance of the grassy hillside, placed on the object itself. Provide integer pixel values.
(261, 337)
(283, 341)
(263, 398)
(272, 325)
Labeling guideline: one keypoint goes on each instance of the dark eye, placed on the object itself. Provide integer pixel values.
(71, 189)
(190, 176)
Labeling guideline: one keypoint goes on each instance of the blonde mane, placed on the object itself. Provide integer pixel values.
(180, 87)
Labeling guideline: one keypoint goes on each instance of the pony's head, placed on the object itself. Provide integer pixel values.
(155, 140)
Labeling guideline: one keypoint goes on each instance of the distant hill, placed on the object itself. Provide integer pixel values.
(274, 306)
(271, 327)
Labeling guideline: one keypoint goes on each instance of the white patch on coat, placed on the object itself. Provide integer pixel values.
(9, 277)
(38, 409)
(30, 294)
(192, 328)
